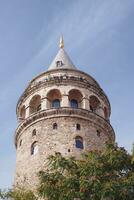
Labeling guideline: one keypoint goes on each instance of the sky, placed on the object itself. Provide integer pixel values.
(98, 37)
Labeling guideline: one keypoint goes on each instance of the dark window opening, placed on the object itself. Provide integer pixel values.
(34, 148)
(68, 150)
(78, 127)
(55, 126)
(20, 143)
(91, 108)
(79, 142)
(56, 103)
(98, 133)
(59, 63)
(39, 107)
(74, 103)
(34, 132)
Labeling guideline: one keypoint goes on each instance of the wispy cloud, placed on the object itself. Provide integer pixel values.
(81, 22)
(91, 20)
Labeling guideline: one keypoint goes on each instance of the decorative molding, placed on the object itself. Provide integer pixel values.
(63, 111)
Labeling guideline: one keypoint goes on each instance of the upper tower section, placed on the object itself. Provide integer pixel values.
(62, 87)
(61, 60)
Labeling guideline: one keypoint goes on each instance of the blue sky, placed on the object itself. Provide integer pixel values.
(98, 37)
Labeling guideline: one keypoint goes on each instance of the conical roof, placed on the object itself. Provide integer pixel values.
(62, 59)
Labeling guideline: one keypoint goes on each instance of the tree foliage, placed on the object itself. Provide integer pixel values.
(106, 175)
(18, 194)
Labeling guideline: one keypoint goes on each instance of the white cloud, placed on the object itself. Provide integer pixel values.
(84, 21)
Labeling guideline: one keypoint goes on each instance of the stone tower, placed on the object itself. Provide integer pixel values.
(62, 110)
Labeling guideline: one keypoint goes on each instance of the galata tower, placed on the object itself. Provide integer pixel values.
(62, 110)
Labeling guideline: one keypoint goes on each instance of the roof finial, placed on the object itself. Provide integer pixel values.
(61, 45)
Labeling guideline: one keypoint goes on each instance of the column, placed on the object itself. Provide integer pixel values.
(27, 114)
(86, 103)
(65, 101)
(44, 104)
(100, 111)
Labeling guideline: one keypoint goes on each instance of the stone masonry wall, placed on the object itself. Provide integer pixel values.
(60, 140)
(95, 129)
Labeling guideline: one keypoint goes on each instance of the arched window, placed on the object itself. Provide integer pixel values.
(94, 103)
(35, 104)
(77, 127)
(53, 98)
(74, 103)
(56, 103)
(75, 98)
(34, 148)
(79, 142)
(55, 126)
(98, 133)
(34, 132)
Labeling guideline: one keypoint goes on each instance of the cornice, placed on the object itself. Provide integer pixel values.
(63, 112)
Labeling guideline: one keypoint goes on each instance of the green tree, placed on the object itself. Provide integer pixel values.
(106, 175)
(18, 194)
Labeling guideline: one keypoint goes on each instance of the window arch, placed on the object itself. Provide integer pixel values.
(79, 142)
(34, 148)
(94, 103)
(55, 126)
(54, 98)
(35, 104)
(75, 98)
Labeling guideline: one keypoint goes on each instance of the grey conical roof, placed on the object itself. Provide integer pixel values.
(61, 60)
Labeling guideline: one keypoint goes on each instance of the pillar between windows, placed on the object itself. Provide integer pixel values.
(27, 112)
(65, 101)
(100, 111)
(86, 103)
(44, 103)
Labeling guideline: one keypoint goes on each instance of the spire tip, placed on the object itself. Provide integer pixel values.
(61, 45)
